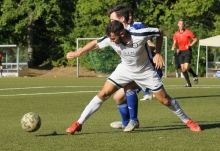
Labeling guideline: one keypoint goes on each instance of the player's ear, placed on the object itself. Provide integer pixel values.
(122, 34)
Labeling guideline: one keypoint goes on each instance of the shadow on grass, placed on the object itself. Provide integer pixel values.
(77, 133)
(50, 134)
(142, 129)
(209, 126)
(175, 127)
(205, 96)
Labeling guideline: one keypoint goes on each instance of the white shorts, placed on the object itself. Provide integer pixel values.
(146, 78)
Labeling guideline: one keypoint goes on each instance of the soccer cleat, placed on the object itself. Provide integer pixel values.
(117, 124)
(73, 128)
(196, 80)
(131, 126)
(146, 97)
(193, 126)
(188, 85)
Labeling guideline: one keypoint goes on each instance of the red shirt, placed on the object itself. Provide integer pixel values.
(183, 39)
(0, 57)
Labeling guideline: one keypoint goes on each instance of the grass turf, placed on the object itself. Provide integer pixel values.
(60, 101)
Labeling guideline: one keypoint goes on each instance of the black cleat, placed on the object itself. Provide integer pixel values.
(196, 80)
(188, 85)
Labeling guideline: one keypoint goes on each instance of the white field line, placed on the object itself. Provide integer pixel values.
(27, 94)
(46, 87)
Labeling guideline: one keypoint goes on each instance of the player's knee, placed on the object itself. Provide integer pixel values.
(166, 102)
(119, 99)
(183, 69)
(104, 95)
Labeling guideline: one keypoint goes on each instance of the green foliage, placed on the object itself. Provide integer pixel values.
(57, 24)
(105, 60)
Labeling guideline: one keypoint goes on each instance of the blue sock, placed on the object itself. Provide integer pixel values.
(124, 112)
(146, 92)
(132, 102)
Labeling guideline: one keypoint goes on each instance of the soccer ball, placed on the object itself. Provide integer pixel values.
(31, 122)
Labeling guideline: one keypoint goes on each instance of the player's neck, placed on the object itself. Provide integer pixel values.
(126, 38)
(182, 30)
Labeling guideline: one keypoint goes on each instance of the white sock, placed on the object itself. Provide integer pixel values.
(93, 106)
(182, 75)
(176, 75)
(176, 109)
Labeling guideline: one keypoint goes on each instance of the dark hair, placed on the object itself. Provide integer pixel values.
(114, 27)
(131, 11)
(120, 11)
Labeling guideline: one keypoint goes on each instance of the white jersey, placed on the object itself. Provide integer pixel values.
(133, 55)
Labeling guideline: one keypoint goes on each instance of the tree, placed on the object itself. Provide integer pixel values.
(24, 22)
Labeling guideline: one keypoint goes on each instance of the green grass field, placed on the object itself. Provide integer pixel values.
(60, 101)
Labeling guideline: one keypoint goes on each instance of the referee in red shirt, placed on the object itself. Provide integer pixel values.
(182, 37)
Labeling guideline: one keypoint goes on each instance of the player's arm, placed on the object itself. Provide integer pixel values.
(159, 42)
(158, 59)
(93, 45)
(173, 45)
(194, 41)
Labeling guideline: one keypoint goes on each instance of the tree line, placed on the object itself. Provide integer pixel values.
(49, 28)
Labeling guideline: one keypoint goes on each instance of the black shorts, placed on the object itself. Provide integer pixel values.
(0, 63)
(185, 56)
(177, 66)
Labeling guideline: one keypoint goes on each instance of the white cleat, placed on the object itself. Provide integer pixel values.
(117, 124)
(131, 126)
(146, 97)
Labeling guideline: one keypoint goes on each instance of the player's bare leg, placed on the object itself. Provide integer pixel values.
(173, 105)
(108, 89)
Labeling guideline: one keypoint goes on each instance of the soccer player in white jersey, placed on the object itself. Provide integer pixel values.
(127, 103)
(135, 66)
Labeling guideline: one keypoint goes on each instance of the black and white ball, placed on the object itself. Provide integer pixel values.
(30, 122)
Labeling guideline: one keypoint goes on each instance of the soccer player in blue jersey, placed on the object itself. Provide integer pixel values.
(135, 67)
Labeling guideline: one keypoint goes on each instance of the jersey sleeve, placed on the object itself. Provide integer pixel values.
(174, 37)
(146, 32)
(190, 34)
(138, 25)
(103, 42)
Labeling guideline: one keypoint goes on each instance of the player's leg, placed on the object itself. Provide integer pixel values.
(188, 59)
(128, 106)
(176, 71)
(120, 100)
(184, 66)
(132, 100)
(108, 89)
(173, 105)
(181, 73)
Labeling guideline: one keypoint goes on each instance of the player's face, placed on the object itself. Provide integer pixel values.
(181, 25)
(113, 16)
(115, 38)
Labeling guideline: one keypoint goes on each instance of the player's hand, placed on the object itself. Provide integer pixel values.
(73, 54)
(158, 61)
(187, 46)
